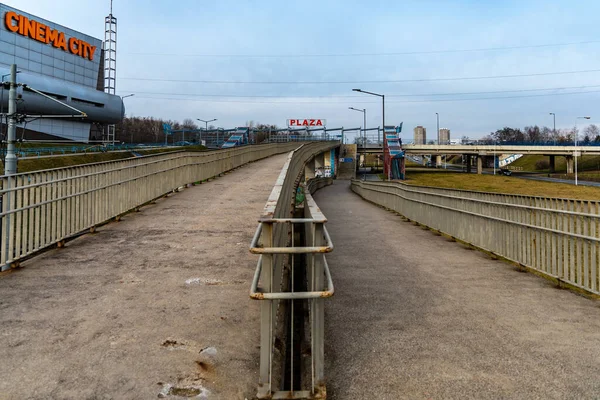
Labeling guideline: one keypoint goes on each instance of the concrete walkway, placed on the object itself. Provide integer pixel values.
(416, 316)
(144, 304)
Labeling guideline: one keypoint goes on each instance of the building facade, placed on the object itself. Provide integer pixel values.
(62, 63)
(420, 135)
(444, 136)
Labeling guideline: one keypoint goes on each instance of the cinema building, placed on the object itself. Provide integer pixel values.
(69, 66)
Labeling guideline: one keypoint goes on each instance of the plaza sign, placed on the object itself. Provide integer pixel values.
(306, 122)
(24, 26)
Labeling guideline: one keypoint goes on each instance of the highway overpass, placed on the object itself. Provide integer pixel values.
(480, 151)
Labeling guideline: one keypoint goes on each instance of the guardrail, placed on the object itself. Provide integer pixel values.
(294, 280)
(558, 238)
(43, 208)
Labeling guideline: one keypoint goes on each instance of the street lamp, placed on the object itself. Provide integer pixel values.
(576, 152)
(382, 107)
(554, 126)
(206, 122)
(123, 98)
(364, 111)
(438, 127)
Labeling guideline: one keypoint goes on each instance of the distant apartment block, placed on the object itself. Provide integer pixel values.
(444, 136)
(420, 135)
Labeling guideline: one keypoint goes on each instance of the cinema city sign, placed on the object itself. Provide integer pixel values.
(306, 122)
(42, 33)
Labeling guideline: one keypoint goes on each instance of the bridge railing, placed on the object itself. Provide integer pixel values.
(292, 280)
(44, 208)
(559, 238)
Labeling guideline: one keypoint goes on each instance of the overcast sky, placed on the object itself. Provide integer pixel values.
(351, 41)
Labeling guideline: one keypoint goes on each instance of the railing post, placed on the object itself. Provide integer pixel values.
(318, 314)
(266, 317)
(6, 225)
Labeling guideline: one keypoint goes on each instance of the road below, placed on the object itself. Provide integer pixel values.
(417, 316)
(157, 303)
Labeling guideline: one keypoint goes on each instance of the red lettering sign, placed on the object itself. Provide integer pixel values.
(306, 122)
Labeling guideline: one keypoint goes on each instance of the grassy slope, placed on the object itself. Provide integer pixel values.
(585, 164)
(501, 184)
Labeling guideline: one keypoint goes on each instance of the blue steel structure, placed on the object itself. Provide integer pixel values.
(394, 161)
(240, 137)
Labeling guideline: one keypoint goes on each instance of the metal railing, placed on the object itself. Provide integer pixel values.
(294, 279)
(43, 208)
(559, 238)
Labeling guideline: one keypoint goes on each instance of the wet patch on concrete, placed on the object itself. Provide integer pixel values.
(183, 392)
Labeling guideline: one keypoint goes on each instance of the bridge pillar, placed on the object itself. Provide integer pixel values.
(309, 170)
(552, 166)
(479, 165)
(438, 161)
(320, 161)
(468, 159)
(570, 169)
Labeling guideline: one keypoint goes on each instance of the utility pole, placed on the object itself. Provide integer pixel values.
(10, 166)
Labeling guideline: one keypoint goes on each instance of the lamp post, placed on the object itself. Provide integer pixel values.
(123, 98)
(438, 127)
(576, 153)
(206, 129)
(554, 126)
(364, 111)
(382, 107)
(2, 103)
(495, 143)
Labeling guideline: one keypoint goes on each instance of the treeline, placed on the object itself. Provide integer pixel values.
(536, 134)
(150, 130)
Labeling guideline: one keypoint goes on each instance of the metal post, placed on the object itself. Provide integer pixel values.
(364, 127)
(576, 153)
(318, 323)
(383, 113)
(2, 107)
(10, 164)
(11, 158)
(554, 126)
(438, 128)
(494, 158)
(576, 134)
(266, 317)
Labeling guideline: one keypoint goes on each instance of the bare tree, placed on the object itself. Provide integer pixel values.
(592, 131)
(189, 124)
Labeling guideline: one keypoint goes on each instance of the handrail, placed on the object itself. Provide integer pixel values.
(255, 294)
(43, 208)
(256, 249)
(560, 244)
(287, 279)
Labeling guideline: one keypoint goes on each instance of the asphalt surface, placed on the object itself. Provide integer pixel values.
(416, 316)
(155, 302)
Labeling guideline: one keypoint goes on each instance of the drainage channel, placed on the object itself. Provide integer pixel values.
(297, 343)
(292, 280)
